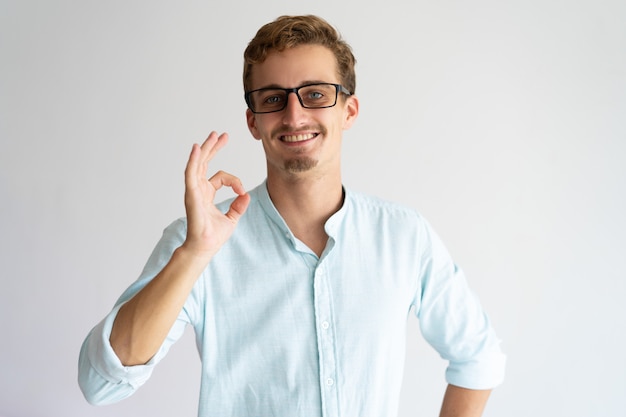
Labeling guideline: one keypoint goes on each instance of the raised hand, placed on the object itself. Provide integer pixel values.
(142, 323)
(207, 227)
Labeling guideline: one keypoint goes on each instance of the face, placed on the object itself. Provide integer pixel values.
(299, 141)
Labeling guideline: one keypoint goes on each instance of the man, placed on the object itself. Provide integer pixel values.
(299, 290)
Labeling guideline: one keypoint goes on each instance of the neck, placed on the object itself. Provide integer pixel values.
(306, 202)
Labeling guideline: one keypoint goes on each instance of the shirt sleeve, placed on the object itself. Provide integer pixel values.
(453, 321)
(102, 377)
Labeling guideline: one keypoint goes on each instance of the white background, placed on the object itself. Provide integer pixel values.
(503, 122)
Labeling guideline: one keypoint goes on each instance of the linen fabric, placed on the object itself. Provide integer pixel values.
(283, 332)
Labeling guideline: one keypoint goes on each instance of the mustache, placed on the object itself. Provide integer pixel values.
(281, 131)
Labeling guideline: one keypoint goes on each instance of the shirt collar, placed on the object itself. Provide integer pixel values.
(332, 224)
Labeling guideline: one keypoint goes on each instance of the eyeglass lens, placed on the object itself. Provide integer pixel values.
(310, 96)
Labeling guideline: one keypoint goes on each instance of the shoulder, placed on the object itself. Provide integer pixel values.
(366, 204)
(383, 217)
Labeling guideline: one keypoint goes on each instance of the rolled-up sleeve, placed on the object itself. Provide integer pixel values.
(453, 321)
(102, 377)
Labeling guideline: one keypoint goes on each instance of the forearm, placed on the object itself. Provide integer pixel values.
(142, 324)
(462, 402)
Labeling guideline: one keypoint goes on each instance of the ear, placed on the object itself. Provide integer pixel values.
(351, 111)
(251, 121)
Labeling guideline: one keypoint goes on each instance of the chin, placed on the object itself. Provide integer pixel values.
(300, 164)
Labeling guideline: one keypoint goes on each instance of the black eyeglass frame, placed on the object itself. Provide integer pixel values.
(338, 89)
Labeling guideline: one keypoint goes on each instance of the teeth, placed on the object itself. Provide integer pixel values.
(298, 138)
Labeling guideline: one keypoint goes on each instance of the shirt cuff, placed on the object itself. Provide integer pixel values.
(485, 372)
(105, 362)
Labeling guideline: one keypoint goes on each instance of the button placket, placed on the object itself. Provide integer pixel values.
(326, 343)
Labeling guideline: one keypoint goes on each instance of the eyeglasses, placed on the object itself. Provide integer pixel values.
(310, 96)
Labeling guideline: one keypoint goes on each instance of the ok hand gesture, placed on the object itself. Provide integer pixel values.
(207, 227)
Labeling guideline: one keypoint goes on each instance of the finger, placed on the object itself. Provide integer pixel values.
(221, 179)
(191, 178)
(205, 152)
(202, 154)
(221, 141)
(238, 207)
(210, 147)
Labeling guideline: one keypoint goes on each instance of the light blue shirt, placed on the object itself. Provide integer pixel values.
(283, 333)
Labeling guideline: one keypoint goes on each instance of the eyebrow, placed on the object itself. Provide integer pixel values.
(301, 84)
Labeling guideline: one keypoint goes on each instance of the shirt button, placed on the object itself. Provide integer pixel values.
(325, 325)
(329, 382)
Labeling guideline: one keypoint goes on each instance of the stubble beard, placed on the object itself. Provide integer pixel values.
(296, 165)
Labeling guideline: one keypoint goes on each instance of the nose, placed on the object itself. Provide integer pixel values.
(293, 110)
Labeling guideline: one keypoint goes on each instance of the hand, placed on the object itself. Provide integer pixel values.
(207, 227)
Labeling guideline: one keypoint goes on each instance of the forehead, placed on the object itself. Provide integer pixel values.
(296, 66)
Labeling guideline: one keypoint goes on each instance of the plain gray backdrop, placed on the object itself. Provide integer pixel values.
(503, 122)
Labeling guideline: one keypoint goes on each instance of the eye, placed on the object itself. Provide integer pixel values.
(273, 99)
(315, 95)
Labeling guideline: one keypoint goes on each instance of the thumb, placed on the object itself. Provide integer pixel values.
(238, 207)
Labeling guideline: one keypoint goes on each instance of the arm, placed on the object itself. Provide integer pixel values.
(462, 402)
(453, 321)
(142, 324)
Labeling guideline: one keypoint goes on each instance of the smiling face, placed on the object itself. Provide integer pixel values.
(299, 141)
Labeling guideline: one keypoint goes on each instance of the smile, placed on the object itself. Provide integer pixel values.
(298, 138)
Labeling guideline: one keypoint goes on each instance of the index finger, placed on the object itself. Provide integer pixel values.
(222, 178)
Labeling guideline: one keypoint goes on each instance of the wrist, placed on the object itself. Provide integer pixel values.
(192, 256)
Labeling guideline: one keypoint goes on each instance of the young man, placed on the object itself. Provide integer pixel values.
(299, 290)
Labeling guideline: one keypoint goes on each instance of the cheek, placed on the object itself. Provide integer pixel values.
(255, 125)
